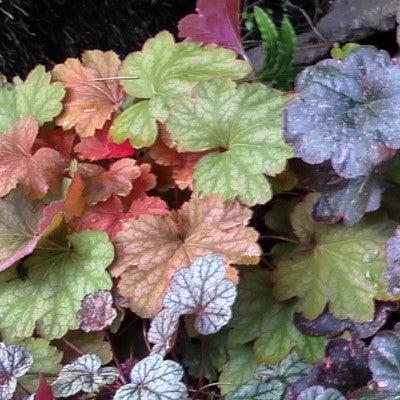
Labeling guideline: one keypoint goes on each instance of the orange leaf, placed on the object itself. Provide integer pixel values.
(151, 248)
(35, 173)
(89, 103)
(100, 184)
(74, 203)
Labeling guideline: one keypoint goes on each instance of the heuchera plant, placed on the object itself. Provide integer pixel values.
(172, 229)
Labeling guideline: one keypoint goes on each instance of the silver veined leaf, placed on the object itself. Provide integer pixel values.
(320, 393)
(97, 311)
(162, 331)
(14, 363)
(258, 390)
(154, 378)
(202, 290)
(83, 375)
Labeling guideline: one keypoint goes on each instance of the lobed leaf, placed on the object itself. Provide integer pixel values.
(83, 375)
(162, 72)
(154, 379)
(151, 248)
(35, 97)
(59, 273)
(320, 393)
(335, 118)
(242, 127)
(334, 264)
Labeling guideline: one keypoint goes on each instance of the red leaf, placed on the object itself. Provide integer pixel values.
(216, 22)
(108, 216)
(57, 139)
(35, 173)
(44, 391)
(101, 147)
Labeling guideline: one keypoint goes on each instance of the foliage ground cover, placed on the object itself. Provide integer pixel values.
(177, 226)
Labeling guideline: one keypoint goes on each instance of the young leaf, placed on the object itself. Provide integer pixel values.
(90, 101)
(336, 119)
(384, 360)
(216, 22)
(21, 227)
(151, 248)
(35, 173)
(242, 124)
(59, 272)
(100, 184)
(165, 70)
(334, 264)
(258, 316)
(97, 311)
(35, 97)
(392, 274)
(202, 290)
(83, 375)
(320, 393)
(154, 379)
(101, 147)
(14, 363)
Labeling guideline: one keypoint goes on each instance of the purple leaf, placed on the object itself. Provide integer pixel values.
(97, 311)
(392, 273)
(347, 112)
(14, 363)
(202, 290)
(216, 22)
(384, 360)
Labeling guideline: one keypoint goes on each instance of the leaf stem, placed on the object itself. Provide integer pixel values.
(73, 347)
(115, 358)
(283, 239)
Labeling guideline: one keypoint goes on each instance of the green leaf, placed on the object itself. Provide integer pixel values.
(46, 359)
(240, 367)
(277, 218)
(242, 124)
(59, 276)
(258, 316)
(272, 382)
(163, 71)
(137, 123)
(35, 96)
(338, 265)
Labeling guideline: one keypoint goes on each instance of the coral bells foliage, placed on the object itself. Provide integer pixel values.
(148, 210)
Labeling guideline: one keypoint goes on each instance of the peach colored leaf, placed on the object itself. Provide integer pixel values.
(74, 203)
(89, 102)
(100, 184)
(101, 147)
(36, 173)
(151, 248)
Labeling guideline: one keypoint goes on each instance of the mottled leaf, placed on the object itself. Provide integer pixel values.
(60, 272)
(151, 248)
(14, 363)
(258, 390)
(83, 375)
(35, 97)
(242, 125)
(320, 393)
(21, 226)
(392, 274)
(335, 264)
(346, 112)
(90, 100)
(97, 311)
(166, 70)
(34, 173)
(154, 379)
(258, 316)
(216, 22)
